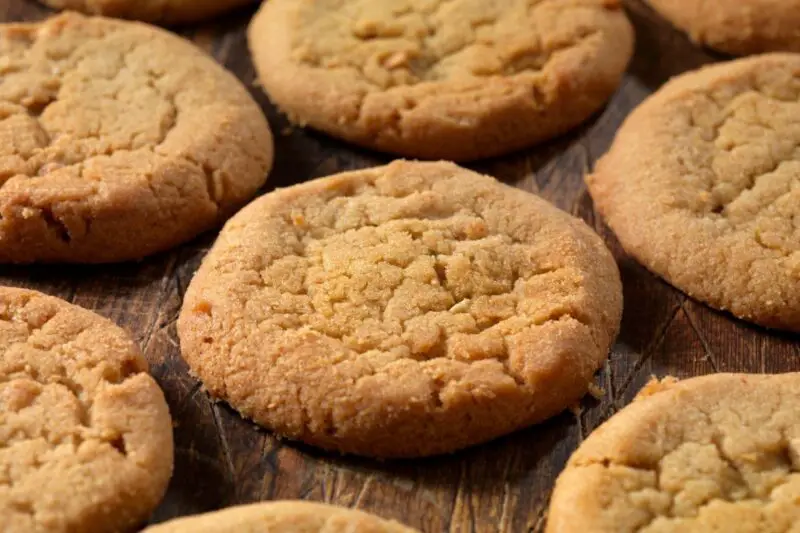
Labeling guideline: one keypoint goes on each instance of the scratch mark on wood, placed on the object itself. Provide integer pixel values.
(166, 279)
(458, 498)
(271, 457)
(703, 341)
(223, 440)
(364, 488)
(540, 520)
(504, 524)
(648, 352)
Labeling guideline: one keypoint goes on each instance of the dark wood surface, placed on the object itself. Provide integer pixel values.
(221, 460)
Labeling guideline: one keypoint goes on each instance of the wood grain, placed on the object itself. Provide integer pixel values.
(222, 460)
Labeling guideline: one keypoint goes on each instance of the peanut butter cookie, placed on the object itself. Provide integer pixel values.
(400, 311)
(716, 453)
(282, 517)
(85, 433)
(701, 186)
(118, 140)
(459, 80)
(737, 27)
(161, 11)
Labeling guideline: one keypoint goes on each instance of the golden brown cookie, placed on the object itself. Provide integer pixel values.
(737, 26)
(400, 311)
(716, 453)
(282, 517)
(701, 186)
(161, 11)
(459, 80)
(118, 140)
(85, 433)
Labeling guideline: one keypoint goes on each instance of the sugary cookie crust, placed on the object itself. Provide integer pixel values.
(738, 27)
(716, 453)
(85, 433)
(701, 186)
(282, 517)
(118, 140)
(421, 300)
(457, 80)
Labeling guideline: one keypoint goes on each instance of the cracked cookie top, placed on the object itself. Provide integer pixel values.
(702, 185)
(118, 140)
(740, 27)
(282, 517)
(161, 11)
(403, 310)
(85, 433)
(716, 453)
(449, 79)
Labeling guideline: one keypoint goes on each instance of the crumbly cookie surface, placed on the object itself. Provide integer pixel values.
(160, 11)
(715, 453)
(85, 433)
(282, 517)
(416, 299)
(112, 129)
(701, 185)
(741, 27)
(456, 80)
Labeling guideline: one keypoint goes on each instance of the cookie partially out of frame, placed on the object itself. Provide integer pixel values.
(85, 433)
(118, 140)
(737, 27)
(715, 453)
(401, 311)
(156, 11)
(457, 80)
(282, 517)
(700, 185)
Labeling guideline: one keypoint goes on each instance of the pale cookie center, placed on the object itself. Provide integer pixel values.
(389, 44)
(46, 401)
(65, 101)
(749, 164)
(438, 284)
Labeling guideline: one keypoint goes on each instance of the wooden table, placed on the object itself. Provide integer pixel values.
(505, 485)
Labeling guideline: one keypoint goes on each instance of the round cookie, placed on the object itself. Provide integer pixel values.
(737, 27)
(458, 80)
(161, 11)
(700, 185)
(716, 453)
(85, 433)
(118, 140)
(400, 311)
(282, 517)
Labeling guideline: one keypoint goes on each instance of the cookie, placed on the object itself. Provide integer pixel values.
(400, 311)
(737, 27)
(715, 453)
(700, 185)
(434, 79)
(85, 433)
(161, 11)
(118, 140)
(282, 517)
